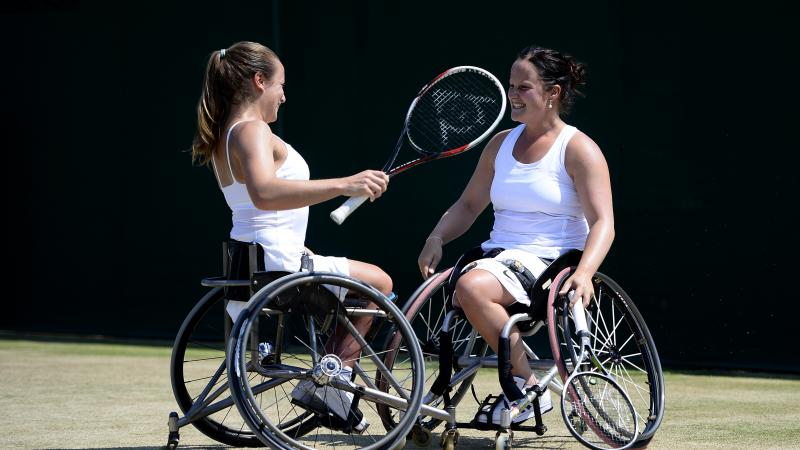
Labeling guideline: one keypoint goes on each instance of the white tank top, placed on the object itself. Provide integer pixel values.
(536, 206)
(281, 233)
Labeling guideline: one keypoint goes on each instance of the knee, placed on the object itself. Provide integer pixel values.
(385, 283)
(381, 281)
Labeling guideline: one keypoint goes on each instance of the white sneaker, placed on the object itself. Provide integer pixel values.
(336, 400)
(545, 405)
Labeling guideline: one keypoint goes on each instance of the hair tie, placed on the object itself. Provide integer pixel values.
(222, 53)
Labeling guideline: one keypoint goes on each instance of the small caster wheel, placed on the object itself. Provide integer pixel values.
(174, 437)
(502, 440)
(421, 436)
(449, 439)
(400, 444)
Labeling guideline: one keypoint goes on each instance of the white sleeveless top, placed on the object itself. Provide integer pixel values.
(281, 233)
(536, 206)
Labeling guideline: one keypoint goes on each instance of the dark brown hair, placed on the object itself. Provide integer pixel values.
(557, 68)
(224, 85)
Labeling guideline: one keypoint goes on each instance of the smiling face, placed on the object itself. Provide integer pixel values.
(527, 94)
(273, 95)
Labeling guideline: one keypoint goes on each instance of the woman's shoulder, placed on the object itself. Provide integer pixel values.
(493, 146)
(247, 128)
(581, 142)
(582, 149)
(252, 135)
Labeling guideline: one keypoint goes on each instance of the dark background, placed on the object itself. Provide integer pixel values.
(109, 227)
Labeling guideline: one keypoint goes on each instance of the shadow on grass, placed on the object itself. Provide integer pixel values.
(521, 440)
(79, 339)
(737, 373)
(159, 447)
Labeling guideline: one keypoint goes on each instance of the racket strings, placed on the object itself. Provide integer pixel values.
(600, 412)
(454, 112)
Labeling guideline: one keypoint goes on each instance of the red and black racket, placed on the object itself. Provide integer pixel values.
(450, 115)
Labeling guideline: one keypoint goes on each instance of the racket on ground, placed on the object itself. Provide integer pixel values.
(596, 410)
(450, 115)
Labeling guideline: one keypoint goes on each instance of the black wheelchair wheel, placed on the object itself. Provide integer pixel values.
(425, 310)
(622, 342)
(198, 352)
(270, 393)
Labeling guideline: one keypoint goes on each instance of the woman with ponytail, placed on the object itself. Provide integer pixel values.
(266, 184)
(551, 192)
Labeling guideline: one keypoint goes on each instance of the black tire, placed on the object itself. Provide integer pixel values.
(425, 311)
(622, 342)
(265, 400)
(198, 351)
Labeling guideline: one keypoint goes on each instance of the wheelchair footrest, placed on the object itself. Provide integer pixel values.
(486, 410)
(493, 427)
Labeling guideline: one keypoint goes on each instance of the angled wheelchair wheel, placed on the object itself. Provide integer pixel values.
(425, 310)
(296, 394)
(198, 363)
(620, 339)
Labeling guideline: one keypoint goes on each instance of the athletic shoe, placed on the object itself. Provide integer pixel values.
(502, 402)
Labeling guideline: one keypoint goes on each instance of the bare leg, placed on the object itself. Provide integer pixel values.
(342, 343)
(483, 300)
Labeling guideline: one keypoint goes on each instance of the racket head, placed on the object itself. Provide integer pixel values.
(455, 111)
(598, 412)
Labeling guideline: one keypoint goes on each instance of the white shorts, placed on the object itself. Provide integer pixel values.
(334, 264)
(506, 276)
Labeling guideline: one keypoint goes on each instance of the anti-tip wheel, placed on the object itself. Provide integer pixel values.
(502, 440)
(420, 436)
(449, 439)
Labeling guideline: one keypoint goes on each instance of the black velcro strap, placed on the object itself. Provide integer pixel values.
(524, 275)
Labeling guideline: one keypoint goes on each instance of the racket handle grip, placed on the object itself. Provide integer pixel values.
(579, 316)
(340, 214)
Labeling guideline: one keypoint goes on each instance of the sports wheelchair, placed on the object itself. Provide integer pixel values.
(235, 381)
(454, 352)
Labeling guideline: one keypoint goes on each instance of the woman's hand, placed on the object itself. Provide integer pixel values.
(430, 256)
(583, 287)
(369, 183)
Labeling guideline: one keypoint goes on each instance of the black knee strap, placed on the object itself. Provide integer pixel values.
(504, 370)
(442, 382)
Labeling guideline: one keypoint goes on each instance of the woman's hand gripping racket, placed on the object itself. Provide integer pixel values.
(596, 410)
(450, 115)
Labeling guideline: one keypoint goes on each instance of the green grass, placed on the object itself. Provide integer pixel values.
(98, 395)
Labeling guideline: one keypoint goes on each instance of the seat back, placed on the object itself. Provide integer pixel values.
(239, 261)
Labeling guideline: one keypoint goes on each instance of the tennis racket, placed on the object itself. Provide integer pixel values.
(596, 410)
(450, 115)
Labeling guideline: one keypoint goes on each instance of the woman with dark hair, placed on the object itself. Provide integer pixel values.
(550, 189)
(266, 184)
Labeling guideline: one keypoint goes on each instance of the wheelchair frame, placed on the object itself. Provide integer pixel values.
(545, 301)
(242, 357)
(453, 369)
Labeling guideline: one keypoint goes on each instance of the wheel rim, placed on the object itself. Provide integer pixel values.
(198, 352)
(425, 312)
(623, 345)
(267, 408)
